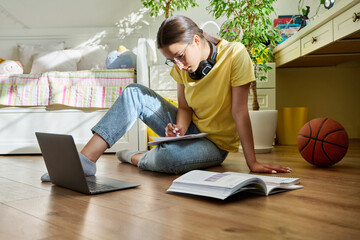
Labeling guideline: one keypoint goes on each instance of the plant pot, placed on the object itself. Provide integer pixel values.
(263, 125)
(290, 121)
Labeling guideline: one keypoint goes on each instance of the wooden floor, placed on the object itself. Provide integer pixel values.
(328, 207)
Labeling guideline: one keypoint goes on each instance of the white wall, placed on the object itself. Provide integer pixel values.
(108, 13)
(82, 13)
(18, 14)
(64, 13)
(290, 7)
(127, 16)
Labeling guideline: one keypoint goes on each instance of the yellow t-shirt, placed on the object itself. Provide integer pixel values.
(210, 97)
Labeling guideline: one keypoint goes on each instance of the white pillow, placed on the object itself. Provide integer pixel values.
(61, 60)
(92, 57)
(26, 52)
(10, 67)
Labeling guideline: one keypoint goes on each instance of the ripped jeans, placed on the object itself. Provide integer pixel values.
(138, 101)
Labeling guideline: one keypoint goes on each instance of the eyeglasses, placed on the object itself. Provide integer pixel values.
(176, 60)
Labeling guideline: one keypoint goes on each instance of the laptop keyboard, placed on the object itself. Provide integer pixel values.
(98, 187)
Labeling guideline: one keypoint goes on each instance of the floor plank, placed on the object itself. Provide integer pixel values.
(327, 208)
(15, 224)
(90, 220)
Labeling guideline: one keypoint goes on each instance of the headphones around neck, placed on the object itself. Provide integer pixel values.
(206, 65)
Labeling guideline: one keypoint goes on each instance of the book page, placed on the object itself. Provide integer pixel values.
(282, 181)
(215, 179)
(274, 184)
(158, 140)
(271, 189)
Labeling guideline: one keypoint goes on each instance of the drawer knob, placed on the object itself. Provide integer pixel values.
(356, 16)
(313, 40)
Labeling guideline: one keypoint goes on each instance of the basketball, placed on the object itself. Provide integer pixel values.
(322, 142)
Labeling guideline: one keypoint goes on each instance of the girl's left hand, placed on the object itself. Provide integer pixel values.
(266, 168)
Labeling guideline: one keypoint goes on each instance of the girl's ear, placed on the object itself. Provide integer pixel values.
(196, 39)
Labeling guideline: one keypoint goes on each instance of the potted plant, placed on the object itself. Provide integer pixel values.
(249, 23)
(159, 7)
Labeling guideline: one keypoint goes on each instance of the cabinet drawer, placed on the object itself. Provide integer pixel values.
(266, 99)
(172, 95)
(160, 78)
(288, 54)
(344, 24)
(317, 39)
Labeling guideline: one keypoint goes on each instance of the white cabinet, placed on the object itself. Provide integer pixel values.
(330, 39)
(317, 39)
(266, 90)
(347, 22)
(266, 99)
(288, 54)
(160, 78)
(162, 82)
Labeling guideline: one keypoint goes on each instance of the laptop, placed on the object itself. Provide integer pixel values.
(64, 167)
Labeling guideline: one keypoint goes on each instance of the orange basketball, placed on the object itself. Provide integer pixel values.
(322, 142)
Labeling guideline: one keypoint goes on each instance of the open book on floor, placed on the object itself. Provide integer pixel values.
(223, 185)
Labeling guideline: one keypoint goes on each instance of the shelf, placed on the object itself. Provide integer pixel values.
(332, 39)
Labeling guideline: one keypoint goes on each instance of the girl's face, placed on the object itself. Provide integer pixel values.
(186, 56)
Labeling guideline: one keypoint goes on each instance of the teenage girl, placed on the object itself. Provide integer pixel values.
(213, 78)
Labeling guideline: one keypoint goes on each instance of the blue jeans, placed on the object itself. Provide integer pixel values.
(138, 101)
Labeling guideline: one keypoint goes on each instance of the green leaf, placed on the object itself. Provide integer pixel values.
(303, 11)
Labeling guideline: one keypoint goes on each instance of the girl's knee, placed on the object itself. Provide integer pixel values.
(133, 86)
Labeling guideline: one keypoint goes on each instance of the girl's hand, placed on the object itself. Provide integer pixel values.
(173, 130)
(265, 168)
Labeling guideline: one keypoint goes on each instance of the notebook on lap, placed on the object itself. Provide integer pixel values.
(64, 167)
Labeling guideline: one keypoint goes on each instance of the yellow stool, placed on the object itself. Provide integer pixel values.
(151, 133)
(290, 121)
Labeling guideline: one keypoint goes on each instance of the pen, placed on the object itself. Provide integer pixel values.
(172, 124)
